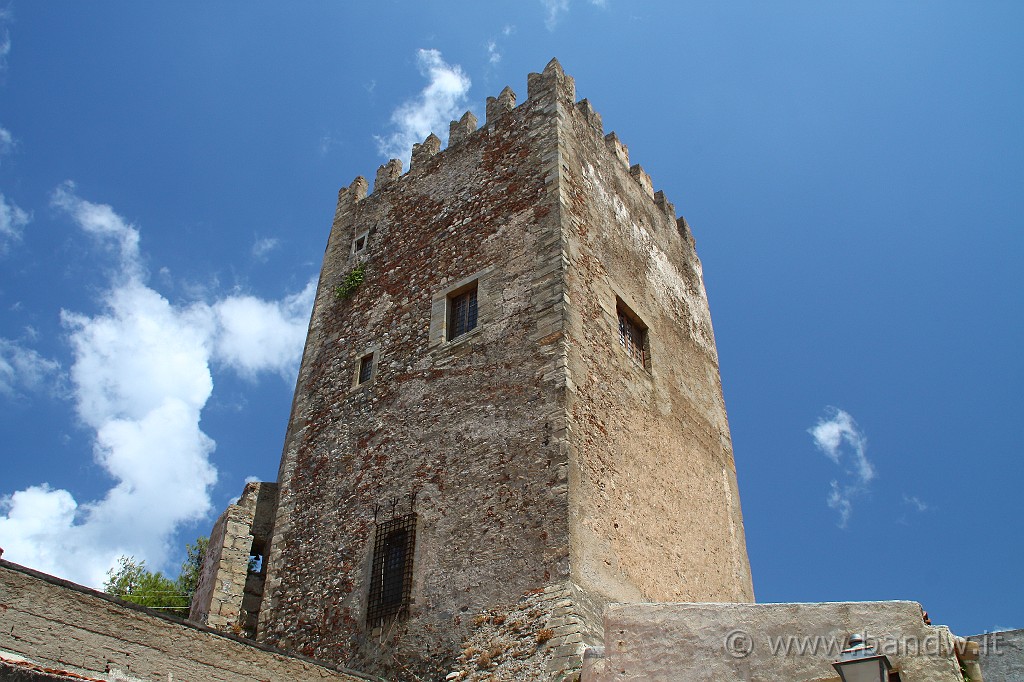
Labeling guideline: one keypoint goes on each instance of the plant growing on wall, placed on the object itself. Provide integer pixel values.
(352, 280)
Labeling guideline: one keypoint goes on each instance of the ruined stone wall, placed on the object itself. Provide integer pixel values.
(473, 428)
(229, 594)
(48, 624)
(654, 503)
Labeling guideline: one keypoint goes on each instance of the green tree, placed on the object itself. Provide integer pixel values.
(131, 581)
(188, 579)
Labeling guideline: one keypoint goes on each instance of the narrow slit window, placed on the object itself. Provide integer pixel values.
(365, 368)
(462, 315)
(391, 578)
(633, 336)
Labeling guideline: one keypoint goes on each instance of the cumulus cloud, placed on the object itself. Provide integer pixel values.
(253, 335)
(839, 438)
(12, 220)
(24, 368)
(440, 102)
(493, 54)
(109, 229)
(141, 375)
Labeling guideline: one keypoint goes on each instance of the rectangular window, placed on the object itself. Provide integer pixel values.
(391, 572)
(359, 243)
(462, 313)
(365, 368)
(633, 336)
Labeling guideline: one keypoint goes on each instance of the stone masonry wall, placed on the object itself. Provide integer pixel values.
(538, 637)
(51, 624)
(469, 434)
(765, 642)
(532, 449)
(228, 595)
(654, 503)
(1002, 655)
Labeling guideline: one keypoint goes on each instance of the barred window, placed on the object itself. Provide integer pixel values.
(365, 368)
(391, 577)
(633, 336)
(462, 313)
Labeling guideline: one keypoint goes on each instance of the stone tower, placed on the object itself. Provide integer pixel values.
(510, 385)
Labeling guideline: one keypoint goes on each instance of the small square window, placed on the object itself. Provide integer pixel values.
(462, 313)
(633, 336)
(365, 368)
(359, 243)
(391, 576)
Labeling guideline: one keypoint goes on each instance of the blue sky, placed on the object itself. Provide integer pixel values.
(853, 174)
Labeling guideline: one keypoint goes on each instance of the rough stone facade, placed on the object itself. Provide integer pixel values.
(535, 450)
(538, 637)
(230, 588)
(51, 629)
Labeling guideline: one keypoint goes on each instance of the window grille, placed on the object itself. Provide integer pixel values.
(391, 576)
(365, 368)
(463, 313)
(632, 337)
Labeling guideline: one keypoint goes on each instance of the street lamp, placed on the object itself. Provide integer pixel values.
(860, 663)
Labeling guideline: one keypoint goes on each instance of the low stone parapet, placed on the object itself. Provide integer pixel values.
(54, 629)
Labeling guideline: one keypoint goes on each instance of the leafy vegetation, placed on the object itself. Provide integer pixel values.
(132, 582)
(352, 280)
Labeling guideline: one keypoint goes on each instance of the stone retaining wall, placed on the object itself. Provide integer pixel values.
(61, 627)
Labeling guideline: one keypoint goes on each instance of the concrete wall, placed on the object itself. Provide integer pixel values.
(764, 642)
(60, 626)
(1001, 655)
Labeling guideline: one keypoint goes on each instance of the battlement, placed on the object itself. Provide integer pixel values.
(546, 91)
(511, 340)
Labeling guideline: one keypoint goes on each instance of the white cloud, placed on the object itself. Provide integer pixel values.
(24, 368)
(555, 10)
(12, 220)
(254, 335)
(440, 102)
(839, 499)
(5, 37)
(262, 247)
(841, 440)
(100, 221)
(493, 55)
(6, 141)
(915, 503)
(140, 379)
